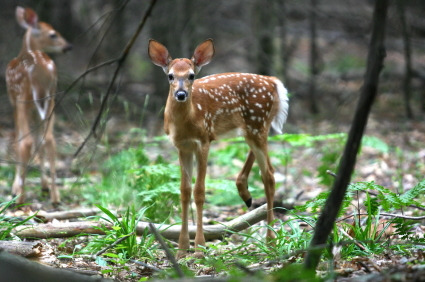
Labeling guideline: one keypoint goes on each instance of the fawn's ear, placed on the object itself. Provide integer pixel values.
(26, 17)
(203, 54)
(159, 55)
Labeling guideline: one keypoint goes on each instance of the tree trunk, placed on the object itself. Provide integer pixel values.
(333, 204)
(401, 9)
(283, 40)
(314, 69)
(264, 31)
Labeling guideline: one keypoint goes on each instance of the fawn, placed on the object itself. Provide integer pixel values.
(200, 111)
(31, 80)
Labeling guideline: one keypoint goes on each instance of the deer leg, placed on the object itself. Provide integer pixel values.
(50, 149)
(44, 179)
(186, 166)
(260, 151)
(242, 180)
(24, 143)
(199, 196)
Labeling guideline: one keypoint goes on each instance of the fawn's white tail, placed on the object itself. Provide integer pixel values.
(282, 113)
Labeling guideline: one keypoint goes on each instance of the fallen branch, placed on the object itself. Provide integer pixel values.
(23, 249)
(59, 229)
(15, 268)
(172, 232)
(61, 215)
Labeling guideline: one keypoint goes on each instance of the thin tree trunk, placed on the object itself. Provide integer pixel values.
(333, 204)
(407, 58)
(265, 26)
(283, 40)
(423, 97)
(314, 70)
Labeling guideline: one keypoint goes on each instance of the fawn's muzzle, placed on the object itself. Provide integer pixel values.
(180, 95)
(67, 48)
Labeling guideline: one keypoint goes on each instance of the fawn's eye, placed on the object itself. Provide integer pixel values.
(191, 76)
(170, 77)
(53, 35)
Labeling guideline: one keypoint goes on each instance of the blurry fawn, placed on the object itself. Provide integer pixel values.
(200, 111)
(31, 85)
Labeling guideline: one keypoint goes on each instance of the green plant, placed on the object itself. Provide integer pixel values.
(158, 186)
(122, 235)
(7, 223)
(113, 188)
(367, 230)
(290, 237)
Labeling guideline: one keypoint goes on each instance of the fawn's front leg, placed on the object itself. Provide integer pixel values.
(199, 196)
(186, 166)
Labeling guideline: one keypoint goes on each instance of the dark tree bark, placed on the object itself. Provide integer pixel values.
(265, 26)
(314, 69)
(401, 9)
(14, 268)
(333, 204)
(283, 39)
(423, 97)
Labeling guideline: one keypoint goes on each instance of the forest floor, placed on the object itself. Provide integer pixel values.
(401, 167)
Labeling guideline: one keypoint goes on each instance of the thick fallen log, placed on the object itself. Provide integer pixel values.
(24, 249)
(172, 232)
(15, 268)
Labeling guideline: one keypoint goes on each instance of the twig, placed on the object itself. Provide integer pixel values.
(113, 244)
(351, 238)
(120, 62)
(145, 265)
(366, 268)
(93, 257)
(168, 253)
(244, 268)
(385, 214)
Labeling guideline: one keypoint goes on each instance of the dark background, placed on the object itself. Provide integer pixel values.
(317, 47)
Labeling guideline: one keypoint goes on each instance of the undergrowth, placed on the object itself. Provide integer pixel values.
(155, 184)
(148, 190)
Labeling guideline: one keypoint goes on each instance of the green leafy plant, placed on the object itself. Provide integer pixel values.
(122, 236)
(159, 187)
(7, 223)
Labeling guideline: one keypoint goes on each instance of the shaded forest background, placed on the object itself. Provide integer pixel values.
(318, 48)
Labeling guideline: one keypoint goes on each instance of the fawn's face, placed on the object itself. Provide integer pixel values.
(181, 74)
(47, 39)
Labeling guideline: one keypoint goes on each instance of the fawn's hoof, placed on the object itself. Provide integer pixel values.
(199, 254)
(181, 254)
(57, 206)
(248, 202)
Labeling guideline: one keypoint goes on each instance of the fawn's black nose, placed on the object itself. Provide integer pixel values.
(181, 95)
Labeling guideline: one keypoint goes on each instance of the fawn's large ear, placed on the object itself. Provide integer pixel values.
(159, 55)
(26, 17)
(203, 54)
